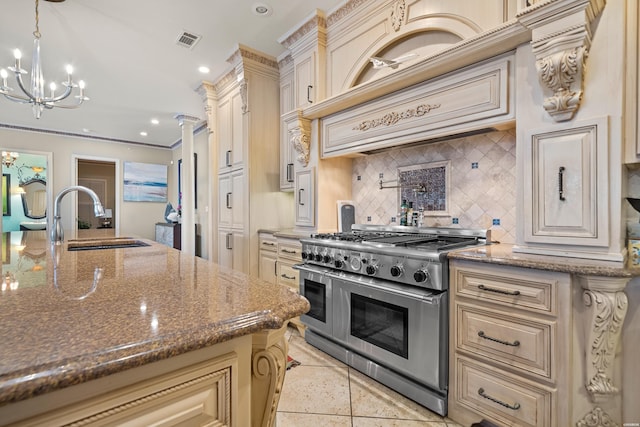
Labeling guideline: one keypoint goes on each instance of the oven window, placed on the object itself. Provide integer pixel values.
(381, 324)
(316, 293)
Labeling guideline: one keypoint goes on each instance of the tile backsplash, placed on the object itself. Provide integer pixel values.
(482, 184)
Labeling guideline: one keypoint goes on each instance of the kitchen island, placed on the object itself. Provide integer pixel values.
(136, 334)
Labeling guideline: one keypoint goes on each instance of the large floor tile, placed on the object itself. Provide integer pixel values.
(308, 355)
(316, 390)
(372, 399)
(386, 422)
(291, 419)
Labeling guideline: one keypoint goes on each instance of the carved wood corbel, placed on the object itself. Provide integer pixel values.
(606, 307)
(300, 137)
(244, 95)
(596, 418)
(268, 366)
(561, 50)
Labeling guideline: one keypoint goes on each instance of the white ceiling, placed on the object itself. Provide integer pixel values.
(126, 52)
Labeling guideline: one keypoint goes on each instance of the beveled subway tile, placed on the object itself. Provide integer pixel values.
(385, 422)
(308, 355)
(374, 400)
(316, 390)
(292, 419)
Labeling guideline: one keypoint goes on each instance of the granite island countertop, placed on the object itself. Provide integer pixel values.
(503, 254)
(69, 317)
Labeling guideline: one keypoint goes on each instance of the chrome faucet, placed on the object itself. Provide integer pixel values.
(57, 232)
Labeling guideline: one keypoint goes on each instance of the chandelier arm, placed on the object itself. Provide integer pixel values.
(17, 98)
(68, 106)
(64, 95)
(24, 89)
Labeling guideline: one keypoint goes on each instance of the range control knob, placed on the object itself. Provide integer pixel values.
(308, 255)
(397, 270)
(327, 259)
(338, 263)
(318, 257)
(303, 255)
(421, 276)
(371, 269)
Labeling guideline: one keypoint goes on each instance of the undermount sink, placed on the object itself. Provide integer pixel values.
(114, 243)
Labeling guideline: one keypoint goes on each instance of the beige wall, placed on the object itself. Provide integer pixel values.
(136, 218)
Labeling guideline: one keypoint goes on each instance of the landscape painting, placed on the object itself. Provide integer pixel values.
(145, 182)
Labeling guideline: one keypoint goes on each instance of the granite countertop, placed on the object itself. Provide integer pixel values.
(287, 233)
(104, 311)
(503, 254)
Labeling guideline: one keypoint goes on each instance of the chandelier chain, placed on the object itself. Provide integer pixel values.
(36, 33)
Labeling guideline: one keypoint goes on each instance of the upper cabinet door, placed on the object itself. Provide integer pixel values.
(287, 152)
(224, 135)
(305, 76)
(568, 178)
(230, 133)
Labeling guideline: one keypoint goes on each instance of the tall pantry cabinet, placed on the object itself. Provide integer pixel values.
(248, 166)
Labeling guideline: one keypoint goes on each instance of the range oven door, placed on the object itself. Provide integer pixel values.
(315, 286)
(400, 327)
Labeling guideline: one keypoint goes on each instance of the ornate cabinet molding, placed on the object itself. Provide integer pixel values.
(596, 418)
(561, 38)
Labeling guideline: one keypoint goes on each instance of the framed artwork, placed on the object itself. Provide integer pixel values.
(6, 249)
(195, 180)
(427, 186)
(6, 195)
(145, 182)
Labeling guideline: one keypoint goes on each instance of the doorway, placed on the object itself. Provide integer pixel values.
(100, 175)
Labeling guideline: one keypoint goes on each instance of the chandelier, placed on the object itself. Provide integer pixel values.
(35, 93)
(9, 158)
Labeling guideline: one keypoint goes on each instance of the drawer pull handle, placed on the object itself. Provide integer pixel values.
(499, 402)
(286, 251)
(516, 343)
(284, 276)
(268, 243)
(498, 291)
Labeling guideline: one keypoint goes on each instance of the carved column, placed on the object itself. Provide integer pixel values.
(561, 38)
(605, 306)
(268, 366)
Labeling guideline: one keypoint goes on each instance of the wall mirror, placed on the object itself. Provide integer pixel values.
(34, 198)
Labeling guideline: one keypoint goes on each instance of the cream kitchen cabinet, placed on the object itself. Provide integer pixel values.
(231, 132)
(509, 345)
(247, 134)
(306, 82)
(289, 254)
(231, 249)
(287, 104)
(566, 170)
(268, 257)
(231, 207)
(305, 197)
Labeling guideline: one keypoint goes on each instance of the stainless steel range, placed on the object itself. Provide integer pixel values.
(379, 303)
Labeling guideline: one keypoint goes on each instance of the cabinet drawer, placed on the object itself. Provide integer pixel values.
(502, 398)
(517, 342)
(291, 250)
(288, 276)
(268, 243)
(534, 294)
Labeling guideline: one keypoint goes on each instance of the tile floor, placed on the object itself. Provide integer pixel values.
(324, 392)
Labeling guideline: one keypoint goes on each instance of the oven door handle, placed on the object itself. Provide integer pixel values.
(419, 296)
(305, 267)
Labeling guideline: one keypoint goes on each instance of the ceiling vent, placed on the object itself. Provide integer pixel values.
(188, 39)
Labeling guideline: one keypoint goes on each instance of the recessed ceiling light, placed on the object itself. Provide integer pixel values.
(204, 70)
(155, 121)
(143, 133)
(262, 9)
